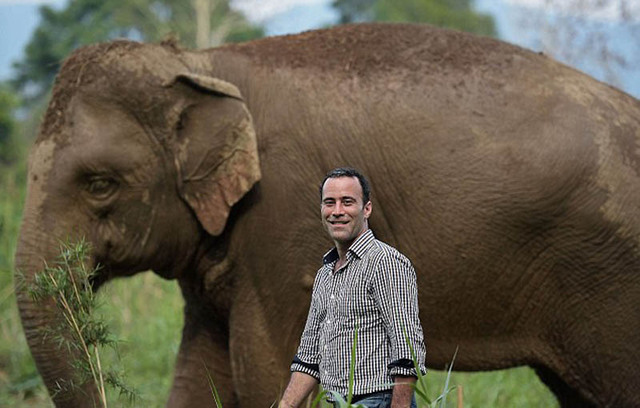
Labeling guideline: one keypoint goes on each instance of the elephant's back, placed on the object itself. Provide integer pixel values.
(417, 69)
(363, 49)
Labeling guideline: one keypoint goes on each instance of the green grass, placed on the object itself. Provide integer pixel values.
(516, 387)
(146, 312)
(18, 378)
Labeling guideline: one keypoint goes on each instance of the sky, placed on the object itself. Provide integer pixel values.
(602, 10)
(522, 22)
(262, 10)
(18, 19)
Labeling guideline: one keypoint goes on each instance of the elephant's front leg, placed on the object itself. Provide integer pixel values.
(260, 352)
(204, 347)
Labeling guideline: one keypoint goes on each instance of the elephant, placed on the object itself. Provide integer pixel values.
(510, 180)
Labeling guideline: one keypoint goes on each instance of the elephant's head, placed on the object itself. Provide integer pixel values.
(141, 156)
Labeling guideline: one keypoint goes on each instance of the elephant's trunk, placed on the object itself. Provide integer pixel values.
(40, 318)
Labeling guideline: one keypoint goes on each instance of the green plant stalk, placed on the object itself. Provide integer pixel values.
(68, 286)
(352, 366)
(446, 389)
(78, 249)
(212, 387)
(318, 399)
(71, 320)
(103, 392)
(421, 378)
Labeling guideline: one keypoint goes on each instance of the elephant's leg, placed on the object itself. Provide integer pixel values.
(204, 347)
(606, 373)
(258, 350)
(566, 396)
(593, 360)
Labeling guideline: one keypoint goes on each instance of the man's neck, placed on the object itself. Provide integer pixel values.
(342, 253)
(343, 248)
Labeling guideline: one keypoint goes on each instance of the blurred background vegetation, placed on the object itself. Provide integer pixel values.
(147, 311)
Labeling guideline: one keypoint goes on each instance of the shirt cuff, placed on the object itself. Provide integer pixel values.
(404, 367)
(307, 368)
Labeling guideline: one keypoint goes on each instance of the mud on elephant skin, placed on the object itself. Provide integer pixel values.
(510, 180)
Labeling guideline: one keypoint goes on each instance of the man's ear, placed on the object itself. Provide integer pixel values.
(216, 152)
(368, 207)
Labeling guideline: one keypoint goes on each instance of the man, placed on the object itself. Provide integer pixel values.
(364, 285)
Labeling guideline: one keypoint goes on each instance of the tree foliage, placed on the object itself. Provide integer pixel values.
(8, 104)
(598, 36)
(89, 21)
(457, 14)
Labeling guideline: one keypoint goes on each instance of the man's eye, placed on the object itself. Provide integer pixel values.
(102, 187)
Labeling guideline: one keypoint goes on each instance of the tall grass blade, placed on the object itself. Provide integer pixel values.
(341, 401)
(446, 389)
(318, 399)
(421, 378)
(212, 387)
(352, 366)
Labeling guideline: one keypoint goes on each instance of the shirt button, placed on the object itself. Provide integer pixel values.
(328, 321)
(333, 297)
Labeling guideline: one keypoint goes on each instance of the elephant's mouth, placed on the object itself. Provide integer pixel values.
(105, 270)
(98, 279)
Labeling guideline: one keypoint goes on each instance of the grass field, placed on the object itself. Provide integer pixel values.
(146, 313)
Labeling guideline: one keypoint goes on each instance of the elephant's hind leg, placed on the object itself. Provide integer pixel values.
(567, 397)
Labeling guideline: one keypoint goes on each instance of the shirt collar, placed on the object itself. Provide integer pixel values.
(358, 248)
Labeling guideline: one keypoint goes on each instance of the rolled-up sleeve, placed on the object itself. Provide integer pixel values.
(396, 293)
(307, 359)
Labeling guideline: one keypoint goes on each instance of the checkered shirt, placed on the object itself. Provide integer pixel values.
(376, 292)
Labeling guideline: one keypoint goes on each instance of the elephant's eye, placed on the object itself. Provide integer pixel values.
(101, 187)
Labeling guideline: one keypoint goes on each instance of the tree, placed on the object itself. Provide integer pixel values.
(457, 14)
(8, 104)
(355, 11)
(598, 36)
(90, 21)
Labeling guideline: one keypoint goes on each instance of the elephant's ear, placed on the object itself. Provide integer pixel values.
(216, 152)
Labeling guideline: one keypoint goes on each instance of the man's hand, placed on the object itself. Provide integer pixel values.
(300, 386)
(402, 391)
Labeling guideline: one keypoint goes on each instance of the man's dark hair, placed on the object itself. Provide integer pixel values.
(349, 172)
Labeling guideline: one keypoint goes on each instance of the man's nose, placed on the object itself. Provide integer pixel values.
(338, 209)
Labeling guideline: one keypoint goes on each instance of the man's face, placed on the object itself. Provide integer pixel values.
(344, 215)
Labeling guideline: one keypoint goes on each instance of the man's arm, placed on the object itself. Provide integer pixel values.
(299, 388)
(305, 371)
(402, 391)
(396, 293)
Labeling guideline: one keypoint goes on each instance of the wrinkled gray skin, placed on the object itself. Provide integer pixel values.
(511, 181)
